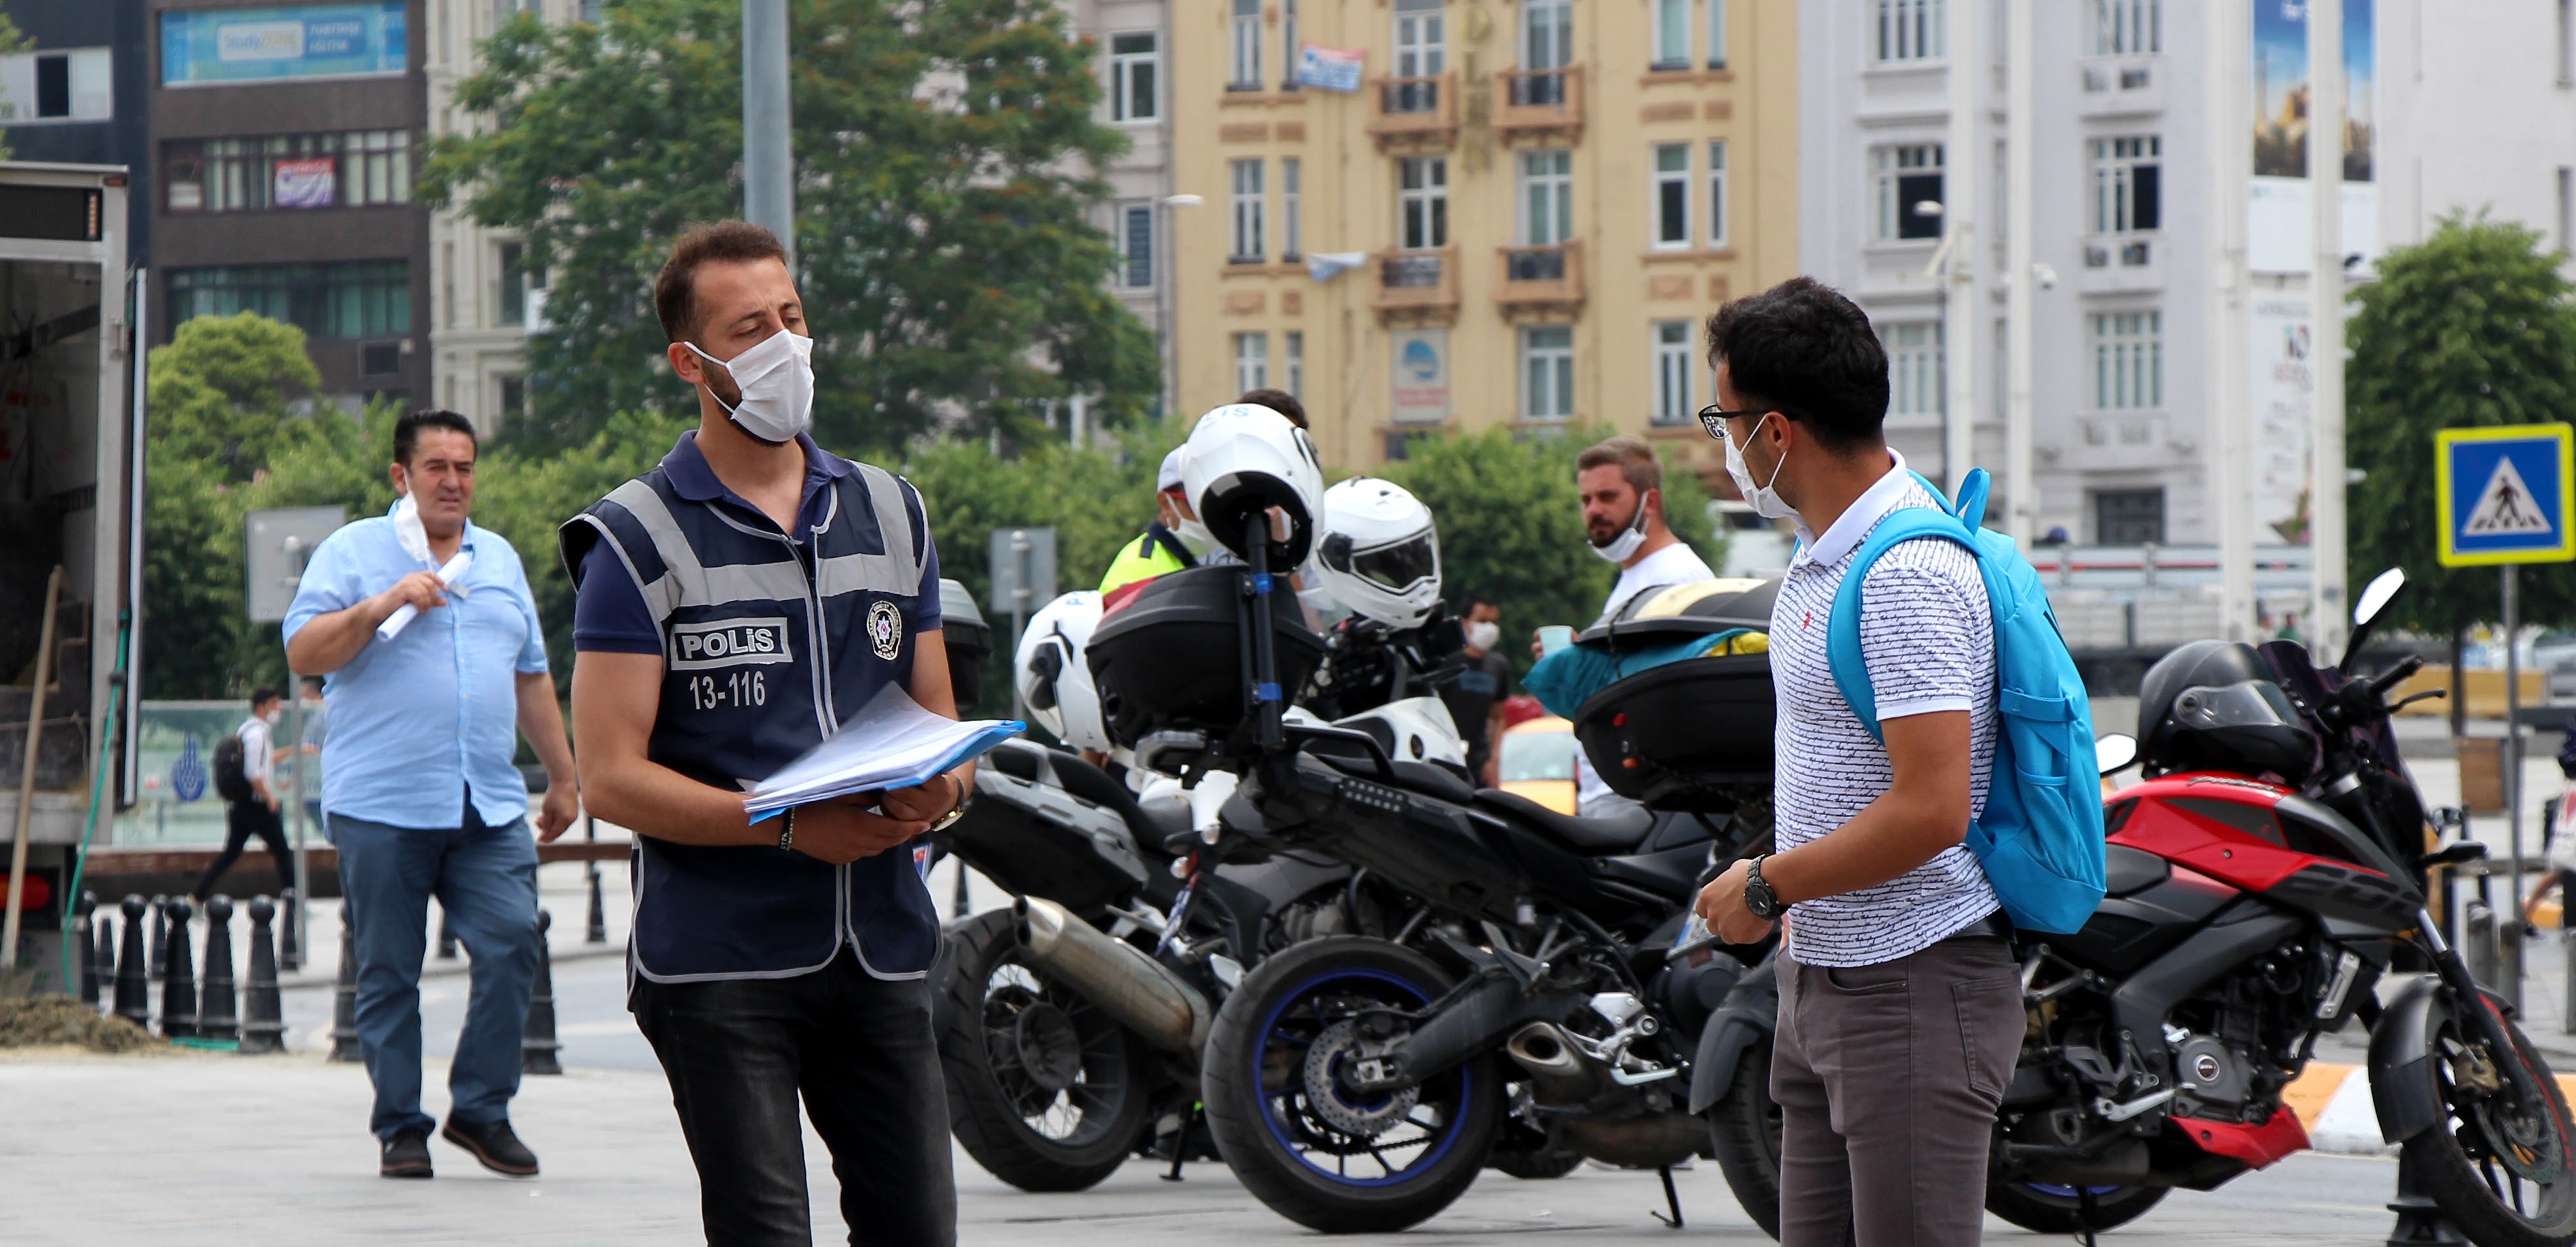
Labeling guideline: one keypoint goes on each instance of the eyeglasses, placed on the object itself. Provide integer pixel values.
(1714, 418)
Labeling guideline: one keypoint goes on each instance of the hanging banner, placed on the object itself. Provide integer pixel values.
(2277, 218)
(205, 47)
(1421, 376)
(2284, 397)
(1330, 69)
(304, 183)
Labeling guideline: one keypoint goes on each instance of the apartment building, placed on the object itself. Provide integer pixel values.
(1434, 215)
(1133, 41)
(76, 96)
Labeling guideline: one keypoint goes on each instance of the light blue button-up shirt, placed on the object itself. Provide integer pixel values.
(417, 720)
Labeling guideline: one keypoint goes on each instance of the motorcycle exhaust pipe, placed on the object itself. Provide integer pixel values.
(1135, 990)
(1562, 1077)
(1559, 1076)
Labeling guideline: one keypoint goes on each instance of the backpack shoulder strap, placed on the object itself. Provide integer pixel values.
(1842, 624)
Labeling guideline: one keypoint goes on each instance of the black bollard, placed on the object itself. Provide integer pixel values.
(105, 958)
(263, 1026)
(160, 936)
(446, 936)
(179, 975)
(345, 1045)
(597, 933)
(88, 950)
(216, 1018)
(133, 975)
(290, 936)
(537, 1045)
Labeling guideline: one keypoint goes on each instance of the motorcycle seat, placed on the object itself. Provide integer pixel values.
(1620, 832)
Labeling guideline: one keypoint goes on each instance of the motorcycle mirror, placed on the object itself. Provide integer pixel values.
(2115, 752)
(2375, 598)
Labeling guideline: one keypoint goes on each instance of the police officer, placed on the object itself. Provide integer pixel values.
(734, 606)
(1173, 542)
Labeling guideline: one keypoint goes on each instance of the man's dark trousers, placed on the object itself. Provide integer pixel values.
(859, 1051)
(242, 820)
(1888, 1077)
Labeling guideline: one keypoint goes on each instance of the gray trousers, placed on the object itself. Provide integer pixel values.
(1888, 1077)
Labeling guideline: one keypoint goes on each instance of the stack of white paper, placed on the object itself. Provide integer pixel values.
(891, 743)
(403, 615)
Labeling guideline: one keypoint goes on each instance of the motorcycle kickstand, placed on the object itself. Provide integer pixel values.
(2088, 1210)
(1181, 1144)
(1672, 1199)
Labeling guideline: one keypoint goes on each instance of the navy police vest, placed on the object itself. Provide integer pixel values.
(765, 647)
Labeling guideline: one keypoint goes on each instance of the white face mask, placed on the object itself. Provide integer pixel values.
(1192, 533)
(776, 380)
(1624, 546)
(1765, 503)
(1482, 635)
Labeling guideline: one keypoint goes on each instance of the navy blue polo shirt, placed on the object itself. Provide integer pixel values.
(609, 614)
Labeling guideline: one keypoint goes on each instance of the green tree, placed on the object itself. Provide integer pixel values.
(11, 40)
(2471, 328)
(946, 264)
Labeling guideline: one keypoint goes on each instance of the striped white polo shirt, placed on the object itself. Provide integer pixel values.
(1928, 637)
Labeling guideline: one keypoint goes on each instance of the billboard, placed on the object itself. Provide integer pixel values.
(1421, 376)
(2277, 235)
(2284, 401)
(213, 47)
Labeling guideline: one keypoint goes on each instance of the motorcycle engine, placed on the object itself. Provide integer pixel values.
(2211, 1079)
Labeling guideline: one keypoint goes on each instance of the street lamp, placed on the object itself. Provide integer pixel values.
(1163, 296)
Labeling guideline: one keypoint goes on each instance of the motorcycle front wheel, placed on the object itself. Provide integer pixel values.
(1044, 1090)
(2506, 1177)
(1304, 1141)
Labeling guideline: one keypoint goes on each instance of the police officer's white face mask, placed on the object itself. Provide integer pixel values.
(775, 383)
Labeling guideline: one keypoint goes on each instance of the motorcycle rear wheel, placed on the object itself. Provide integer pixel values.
(2459, 1161)
(1744, 1131)
(1043, 1089)
(2044, 1209)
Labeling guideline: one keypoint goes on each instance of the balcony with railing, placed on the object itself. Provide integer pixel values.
(1539, 103)
(1417, 287)
(1540, 279)
(1414, 112)
(2121, 263)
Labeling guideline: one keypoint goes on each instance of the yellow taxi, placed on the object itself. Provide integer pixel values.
(1537, 762)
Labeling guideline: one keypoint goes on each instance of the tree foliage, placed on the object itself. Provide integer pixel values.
(11, 40)
(946, 264)
(2471, 328)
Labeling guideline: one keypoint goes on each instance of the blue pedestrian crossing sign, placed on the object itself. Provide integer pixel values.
(2505, 494)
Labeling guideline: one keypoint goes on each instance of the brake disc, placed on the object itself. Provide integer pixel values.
(1330, 1097)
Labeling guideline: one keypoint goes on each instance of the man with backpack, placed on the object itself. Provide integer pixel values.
(242, 771)
(1900, 1009)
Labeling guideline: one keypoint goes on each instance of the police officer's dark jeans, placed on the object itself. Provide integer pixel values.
(1888, 1077)
(739, 1053)
(486, 879)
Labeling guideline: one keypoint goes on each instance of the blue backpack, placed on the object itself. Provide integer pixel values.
(2040, 835)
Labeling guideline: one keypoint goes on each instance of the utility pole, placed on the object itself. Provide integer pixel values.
(2330, 616)
(2229, 443)
(1959, 164)
(2021, 291)
(768, 163)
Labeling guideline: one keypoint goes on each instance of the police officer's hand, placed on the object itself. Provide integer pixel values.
(844, 830)
(928, 802)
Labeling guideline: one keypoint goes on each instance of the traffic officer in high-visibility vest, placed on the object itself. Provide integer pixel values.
(1174, 541)
(734, 606)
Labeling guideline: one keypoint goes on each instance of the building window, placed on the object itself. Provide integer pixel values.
(1918, 380)
(1422, 202)
(1547, 197)
(353, 169)
(2129, 517)
(1287, 45)
(1421, 55)
(1672, 196)
(1717, 194)
(1673, 399)
(1246, 46)
(2128, 193)
(1135, 71)
(1547, 42)
(1717, 34)
(1292, 227)
(514, 396)
(1251, 362)
(513, 301)
(1136, 246)
(358, 299)
(1912, 30)
(1248, 243)
(2128, 361)
(1294, 366)
(2128, 27)
(1547, 372)
(1909, 191)
(71, 85)
(1672, 34)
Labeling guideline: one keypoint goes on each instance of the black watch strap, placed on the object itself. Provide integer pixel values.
(1759, 899)
(787, 829)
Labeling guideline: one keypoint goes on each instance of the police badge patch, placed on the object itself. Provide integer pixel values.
(885, 629)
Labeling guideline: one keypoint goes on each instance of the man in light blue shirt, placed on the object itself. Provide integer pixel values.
(419, 786)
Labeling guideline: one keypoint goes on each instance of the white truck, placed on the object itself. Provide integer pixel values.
(71, 499)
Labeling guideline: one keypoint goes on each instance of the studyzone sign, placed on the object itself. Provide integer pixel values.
(211, 47)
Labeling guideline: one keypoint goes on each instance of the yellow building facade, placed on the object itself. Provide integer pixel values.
(1521, 216)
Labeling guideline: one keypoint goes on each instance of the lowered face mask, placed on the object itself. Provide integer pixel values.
(1624, 546)
(775, 380)
(1765, 503)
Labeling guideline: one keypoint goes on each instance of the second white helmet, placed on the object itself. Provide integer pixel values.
(1054, 676)
(1243, 459)
(1378, 552)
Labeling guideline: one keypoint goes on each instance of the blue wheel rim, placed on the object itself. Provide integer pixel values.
(1453, 1124)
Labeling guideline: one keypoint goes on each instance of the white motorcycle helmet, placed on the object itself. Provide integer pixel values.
(1244, 459)
(1053, 676)
(1378, 553)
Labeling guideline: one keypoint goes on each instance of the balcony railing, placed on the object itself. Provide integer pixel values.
(1414, 112)
(1536, 102)
(1541, 278)
(1416, 285)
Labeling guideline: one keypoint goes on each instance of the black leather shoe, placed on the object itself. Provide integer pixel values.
(493, 1144)
(407, 1155)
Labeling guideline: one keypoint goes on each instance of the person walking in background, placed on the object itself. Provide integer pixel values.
(244, 766)
(1475, 697)
(317, 728)
(419, 785)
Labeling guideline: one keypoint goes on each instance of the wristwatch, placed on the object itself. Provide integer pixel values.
(1759, 899)
(787, 832)
(965, 797)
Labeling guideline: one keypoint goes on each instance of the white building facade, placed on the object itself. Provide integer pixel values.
(1134, 42)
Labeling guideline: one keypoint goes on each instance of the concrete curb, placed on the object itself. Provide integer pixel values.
(2333, 1101)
